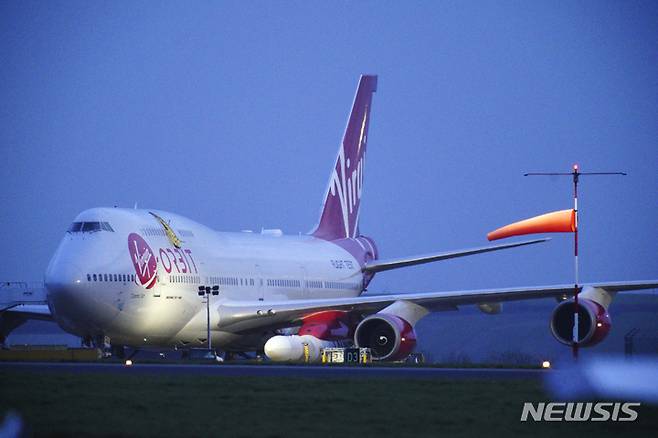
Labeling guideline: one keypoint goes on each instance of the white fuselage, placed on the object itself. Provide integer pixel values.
(98, 281)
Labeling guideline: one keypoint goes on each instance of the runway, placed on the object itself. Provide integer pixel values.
(316, 372)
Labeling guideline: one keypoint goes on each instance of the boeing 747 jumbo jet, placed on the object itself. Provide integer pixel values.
(133, 276)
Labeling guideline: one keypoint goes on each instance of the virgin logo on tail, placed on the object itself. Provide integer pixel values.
(144, 261)
(340, 212)
(349, 189)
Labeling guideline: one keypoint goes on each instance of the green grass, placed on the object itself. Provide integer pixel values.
(57, 403)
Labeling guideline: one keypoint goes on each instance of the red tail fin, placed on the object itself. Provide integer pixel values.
(340, 211)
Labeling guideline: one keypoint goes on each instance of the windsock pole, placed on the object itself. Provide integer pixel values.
(575, 174)
(575, 337)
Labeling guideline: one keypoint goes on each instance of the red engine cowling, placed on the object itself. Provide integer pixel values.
(389, 337)
(593, 322)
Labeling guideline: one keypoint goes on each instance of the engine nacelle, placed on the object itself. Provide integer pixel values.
(389, 337)
(593, 322)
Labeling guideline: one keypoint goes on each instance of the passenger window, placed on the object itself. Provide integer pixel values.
(88, 277)
(94, 277)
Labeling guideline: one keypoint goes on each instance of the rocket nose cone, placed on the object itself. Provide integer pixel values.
(282, 349)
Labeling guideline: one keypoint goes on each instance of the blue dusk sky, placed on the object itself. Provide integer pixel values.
(230, 113)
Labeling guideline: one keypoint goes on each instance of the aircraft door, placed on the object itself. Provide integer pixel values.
(258, 280)
(304, 285)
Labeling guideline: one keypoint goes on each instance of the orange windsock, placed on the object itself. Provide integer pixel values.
(563, 221)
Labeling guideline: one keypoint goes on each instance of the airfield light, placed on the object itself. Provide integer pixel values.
(546, 364)
(129, 363)
(207, 291)
(598, 324)
(575, 167)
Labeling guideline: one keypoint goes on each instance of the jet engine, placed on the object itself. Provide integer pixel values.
(389, 337)
(593, 322)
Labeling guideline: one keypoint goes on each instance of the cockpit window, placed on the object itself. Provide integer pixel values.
(75, 227)
(89, 227)
(106, 226)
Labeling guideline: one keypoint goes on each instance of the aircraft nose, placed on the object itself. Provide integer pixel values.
(63, 281)
(74, 303)
(63, 275)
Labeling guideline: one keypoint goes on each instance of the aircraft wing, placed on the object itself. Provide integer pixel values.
(243, 316)
(29, 311)
(385, 265)
(14, 316)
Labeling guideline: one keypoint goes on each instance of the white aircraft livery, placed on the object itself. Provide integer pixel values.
(134, 277)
